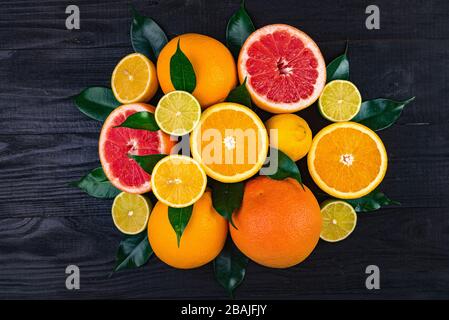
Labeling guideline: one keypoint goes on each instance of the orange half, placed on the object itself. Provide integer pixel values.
(230, 142)
(347, 160)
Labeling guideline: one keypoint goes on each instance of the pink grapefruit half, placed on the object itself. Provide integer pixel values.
(116, 144)
(283, 67)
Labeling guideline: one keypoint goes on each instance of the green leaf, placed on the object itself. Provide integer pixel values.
(238, 29)
(182, 74)
(141, 120)
(179, 218)
(338, 69)
(96, 102)
(379, 114)
(240, 95)
(134, 251)
(230, 267)
(227, 197)
(147, 37)
(97, 185)
(147, 162)
(371, 202)
(286, 167)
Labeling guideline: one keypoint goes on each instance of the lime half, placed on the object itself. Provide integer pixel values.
(340, 101)
(177, 113)
(339, 220)
(130, 212)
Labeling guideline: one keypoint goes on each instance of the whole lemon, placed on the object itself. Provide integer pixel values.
(294, 136)
(214, 67)
(278, 224)
(202, 240)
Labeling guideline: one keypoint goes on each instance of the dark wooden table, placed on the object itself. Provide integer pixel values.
(45, 143)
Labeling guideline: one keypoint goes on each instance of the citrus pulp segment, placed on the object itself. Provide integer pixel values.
(347, 160)
(178, 181)
(283, 67)
(134, 79)
(339, 220)
(340, 101)
(117, 143)
(230, 142)
(177, 113)
(130, 212)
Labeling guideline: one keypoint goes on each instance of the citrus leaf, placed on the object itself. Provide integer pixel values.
(134, 251)
(287, 168)
(371, 202)
(182, 74)
(179, 218)
(240, 95)
(226, 198)
(238, 29)
(379, 114)
(147, 162)
(96, 102)
(97, 185)
(338, 69)
(230, 267)
(140, 120)
(147, 37)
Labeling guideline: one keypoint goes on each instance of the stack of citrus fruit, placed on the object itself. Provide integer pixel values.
(279, 221)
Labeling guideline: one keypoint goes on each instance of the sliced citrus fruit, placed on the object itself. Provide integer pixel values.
(339, 220)
(283, 67)
(230, 142)
(347, 160)
(340, 101)
(177, 113)
(130, 212)
(134, 79)
(116, 144)
(178, 181)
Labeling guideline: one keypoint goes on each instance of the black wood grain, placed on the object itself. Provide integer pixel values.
(46, 143)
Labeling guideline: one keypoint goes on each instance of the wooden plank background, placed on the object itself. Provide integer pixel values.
(46, 143)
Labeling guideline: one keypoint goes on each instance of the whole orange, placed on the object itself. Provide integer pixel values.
(214, 66)
(202, 240)
(278, 223)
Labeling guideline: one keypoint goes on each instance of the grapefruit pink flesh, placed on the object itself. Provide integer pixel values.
(117, 143)
(284, 68)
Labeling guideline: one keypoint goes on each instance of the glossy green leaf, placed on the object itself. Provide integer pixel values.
(338, 69)
(240, 95)
(238, 30)
(371, 202)
(147, 37)
(227, 197)
(97, 185)
(379, 114)
(179, 218)
(182, 74)
(134, 251)
(286, 167)
(230, 267)
(147, 162)
(96, 102)
(141, 120)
